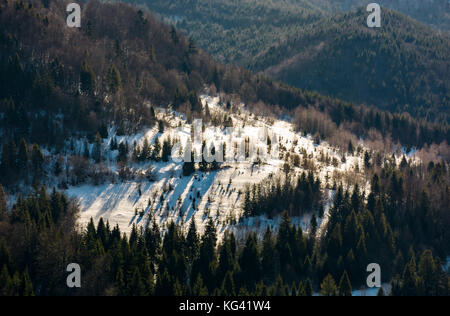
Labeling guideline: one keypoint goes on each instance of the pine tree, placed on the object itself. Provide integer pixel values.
(137, 287)
(166, 150)
(87, 78)
(5, 282)
(328, 286)
(98, 148)
(249, 263)
(268, 257)
(345, 287)
(204, 166)
(313, 226)
(308, 288)
(351, 148)
(301, 291)
(429, 273)
(410, 279)
(228, 287)
(160, 126)
(199, 289)
(114, 80)
(27, 284)
(192, 242)
(3, 205)
(120, 283)
(37, 158)
(156, 153)
(146, 151)
(22, 156)
(123, 152)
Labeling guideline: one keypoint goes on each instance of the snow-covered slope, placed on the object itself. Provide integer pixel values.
(217, 194)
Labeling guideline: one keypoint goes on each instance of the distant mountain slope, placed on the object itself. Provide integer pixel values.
(432, 12)
(402, 67)
(235, 31)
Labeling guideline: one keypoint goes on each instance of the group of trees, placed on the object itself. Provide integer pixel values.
(272, 197)
(21, 162)
(38, 238)
(155, 152)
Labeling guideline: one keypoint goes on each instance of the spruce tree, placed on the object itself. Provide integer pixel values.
(98, 148)
(249, 263)
(156, 153)
(228, 287)
(27, 289)
(328, 286)
(192, 242)
(146, 151)
(345, 287)
(22, 156)
(3, 205)
(166, 150)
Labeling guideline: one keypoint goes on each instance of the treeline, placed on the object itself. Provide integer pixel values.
(39, 238)
(272, 197)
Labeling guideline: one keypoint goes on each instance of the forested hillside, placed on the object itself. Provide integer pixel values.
(401, 67)
(118, 70)
(433, 12)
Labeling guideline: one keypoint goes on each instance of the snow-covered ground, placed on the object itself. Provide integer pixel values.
(372, 291)
(217, 194)
(447, 265)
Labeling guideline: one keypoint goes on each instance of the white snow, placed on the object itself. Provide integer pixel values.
(217, 194)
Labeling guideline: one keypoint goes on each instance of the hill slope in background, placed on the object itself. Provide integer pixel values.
(435, 13)
(234, 32)
(401, 67)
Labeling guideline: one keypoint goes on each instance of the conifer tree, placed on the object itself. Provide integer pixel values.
(3, 205)
(22, 156)
(166, 150)
(146, 151)
(114, 80)
(301, 289)
(328, 286)
(37, 158)
(228, 287)
(192, 242)
(249, 263)
(156, 153)
(345, 287)
(268, 257)
(98, 148)
(87, 78)
(137, 287)
(27, 284)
